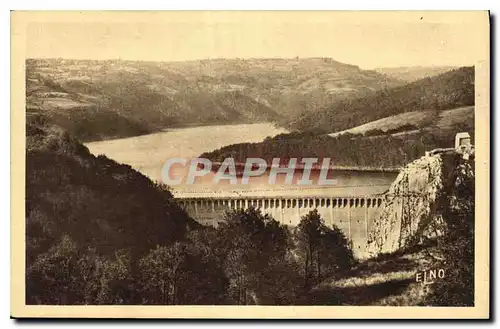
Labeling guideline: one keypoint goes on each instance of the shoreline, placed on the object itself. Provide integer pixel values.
(180, 127)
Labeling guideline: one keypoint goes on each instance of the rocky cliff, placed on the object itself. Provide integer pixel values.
(418, 204)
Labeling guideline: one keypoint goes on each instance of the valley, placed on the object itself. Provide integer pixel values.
(97, 100)
(99, 132)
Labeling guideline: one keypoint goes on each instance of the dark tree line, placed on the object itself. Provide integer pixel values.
(250, 259)
(344, 150)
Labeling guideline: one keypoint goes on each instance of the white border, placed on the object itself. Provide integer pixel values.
(190, 4)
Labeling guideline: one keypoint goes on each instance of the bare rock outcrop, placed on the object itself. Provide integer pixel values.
(414, 205)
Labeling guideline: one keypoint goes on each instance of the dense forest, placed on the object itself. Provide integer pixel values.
(456, 247)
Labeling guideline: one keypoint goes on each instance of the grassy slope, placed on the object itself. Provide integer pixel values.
(445, 120)
(388, 142)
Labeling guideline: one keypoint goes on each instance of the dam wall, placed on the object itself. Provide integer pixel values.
(353, 215)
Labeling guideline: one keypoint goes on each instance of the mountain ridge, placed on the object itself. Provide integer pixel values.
(442, 92)
(97, 100)
(386, 129)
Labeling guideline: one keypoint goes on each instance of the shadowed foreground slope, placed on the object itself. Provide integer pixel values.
(82, 211)
(386, 280)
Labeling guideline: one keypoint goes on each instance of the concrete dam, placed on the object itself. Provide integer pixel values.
(353, 215)
(352, 204)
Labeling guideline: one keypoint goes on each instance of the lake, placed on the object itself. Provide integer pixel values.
(147, 154)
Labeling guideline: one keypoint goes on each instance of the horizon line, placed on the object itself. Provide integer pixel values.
(248, 59)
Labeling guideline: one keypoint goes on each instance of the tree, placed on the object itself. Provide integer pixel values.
(335, 252)
(53, 277)
(208, 283)
(322, 250)
(253, 245)
(162, 270)
(67, 274)
(107, 281)
(182, 273)
(308, 235)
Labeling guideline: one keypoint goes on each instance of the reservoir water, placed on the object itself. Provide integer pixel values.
(351, 204)
(147, 154)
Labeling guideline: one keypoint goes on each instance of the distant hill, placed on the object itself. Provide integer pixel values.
(97, 100)
(388, 128)
(414, 73)
(449, 90)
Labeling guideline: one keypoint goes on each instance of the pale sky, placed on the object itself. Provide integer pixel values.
(368, 40)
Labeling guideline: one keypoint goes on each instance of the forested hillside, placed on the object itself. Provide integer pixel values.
(386, 129)
(446, 91)
(91, 210)
(97, 100)
(381, 151)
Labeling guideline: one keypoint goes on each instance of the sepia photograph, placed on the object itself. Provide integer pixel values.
(212, 164)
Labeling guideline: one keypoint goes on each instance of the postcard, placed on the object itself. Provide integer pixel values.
(250, 164)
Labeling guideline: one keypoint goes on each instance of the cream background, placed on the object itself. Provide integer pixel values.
(364, 39)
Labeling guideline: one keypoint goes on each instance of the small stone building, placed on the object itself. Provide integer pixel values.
(462, 140)
(463, 144)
